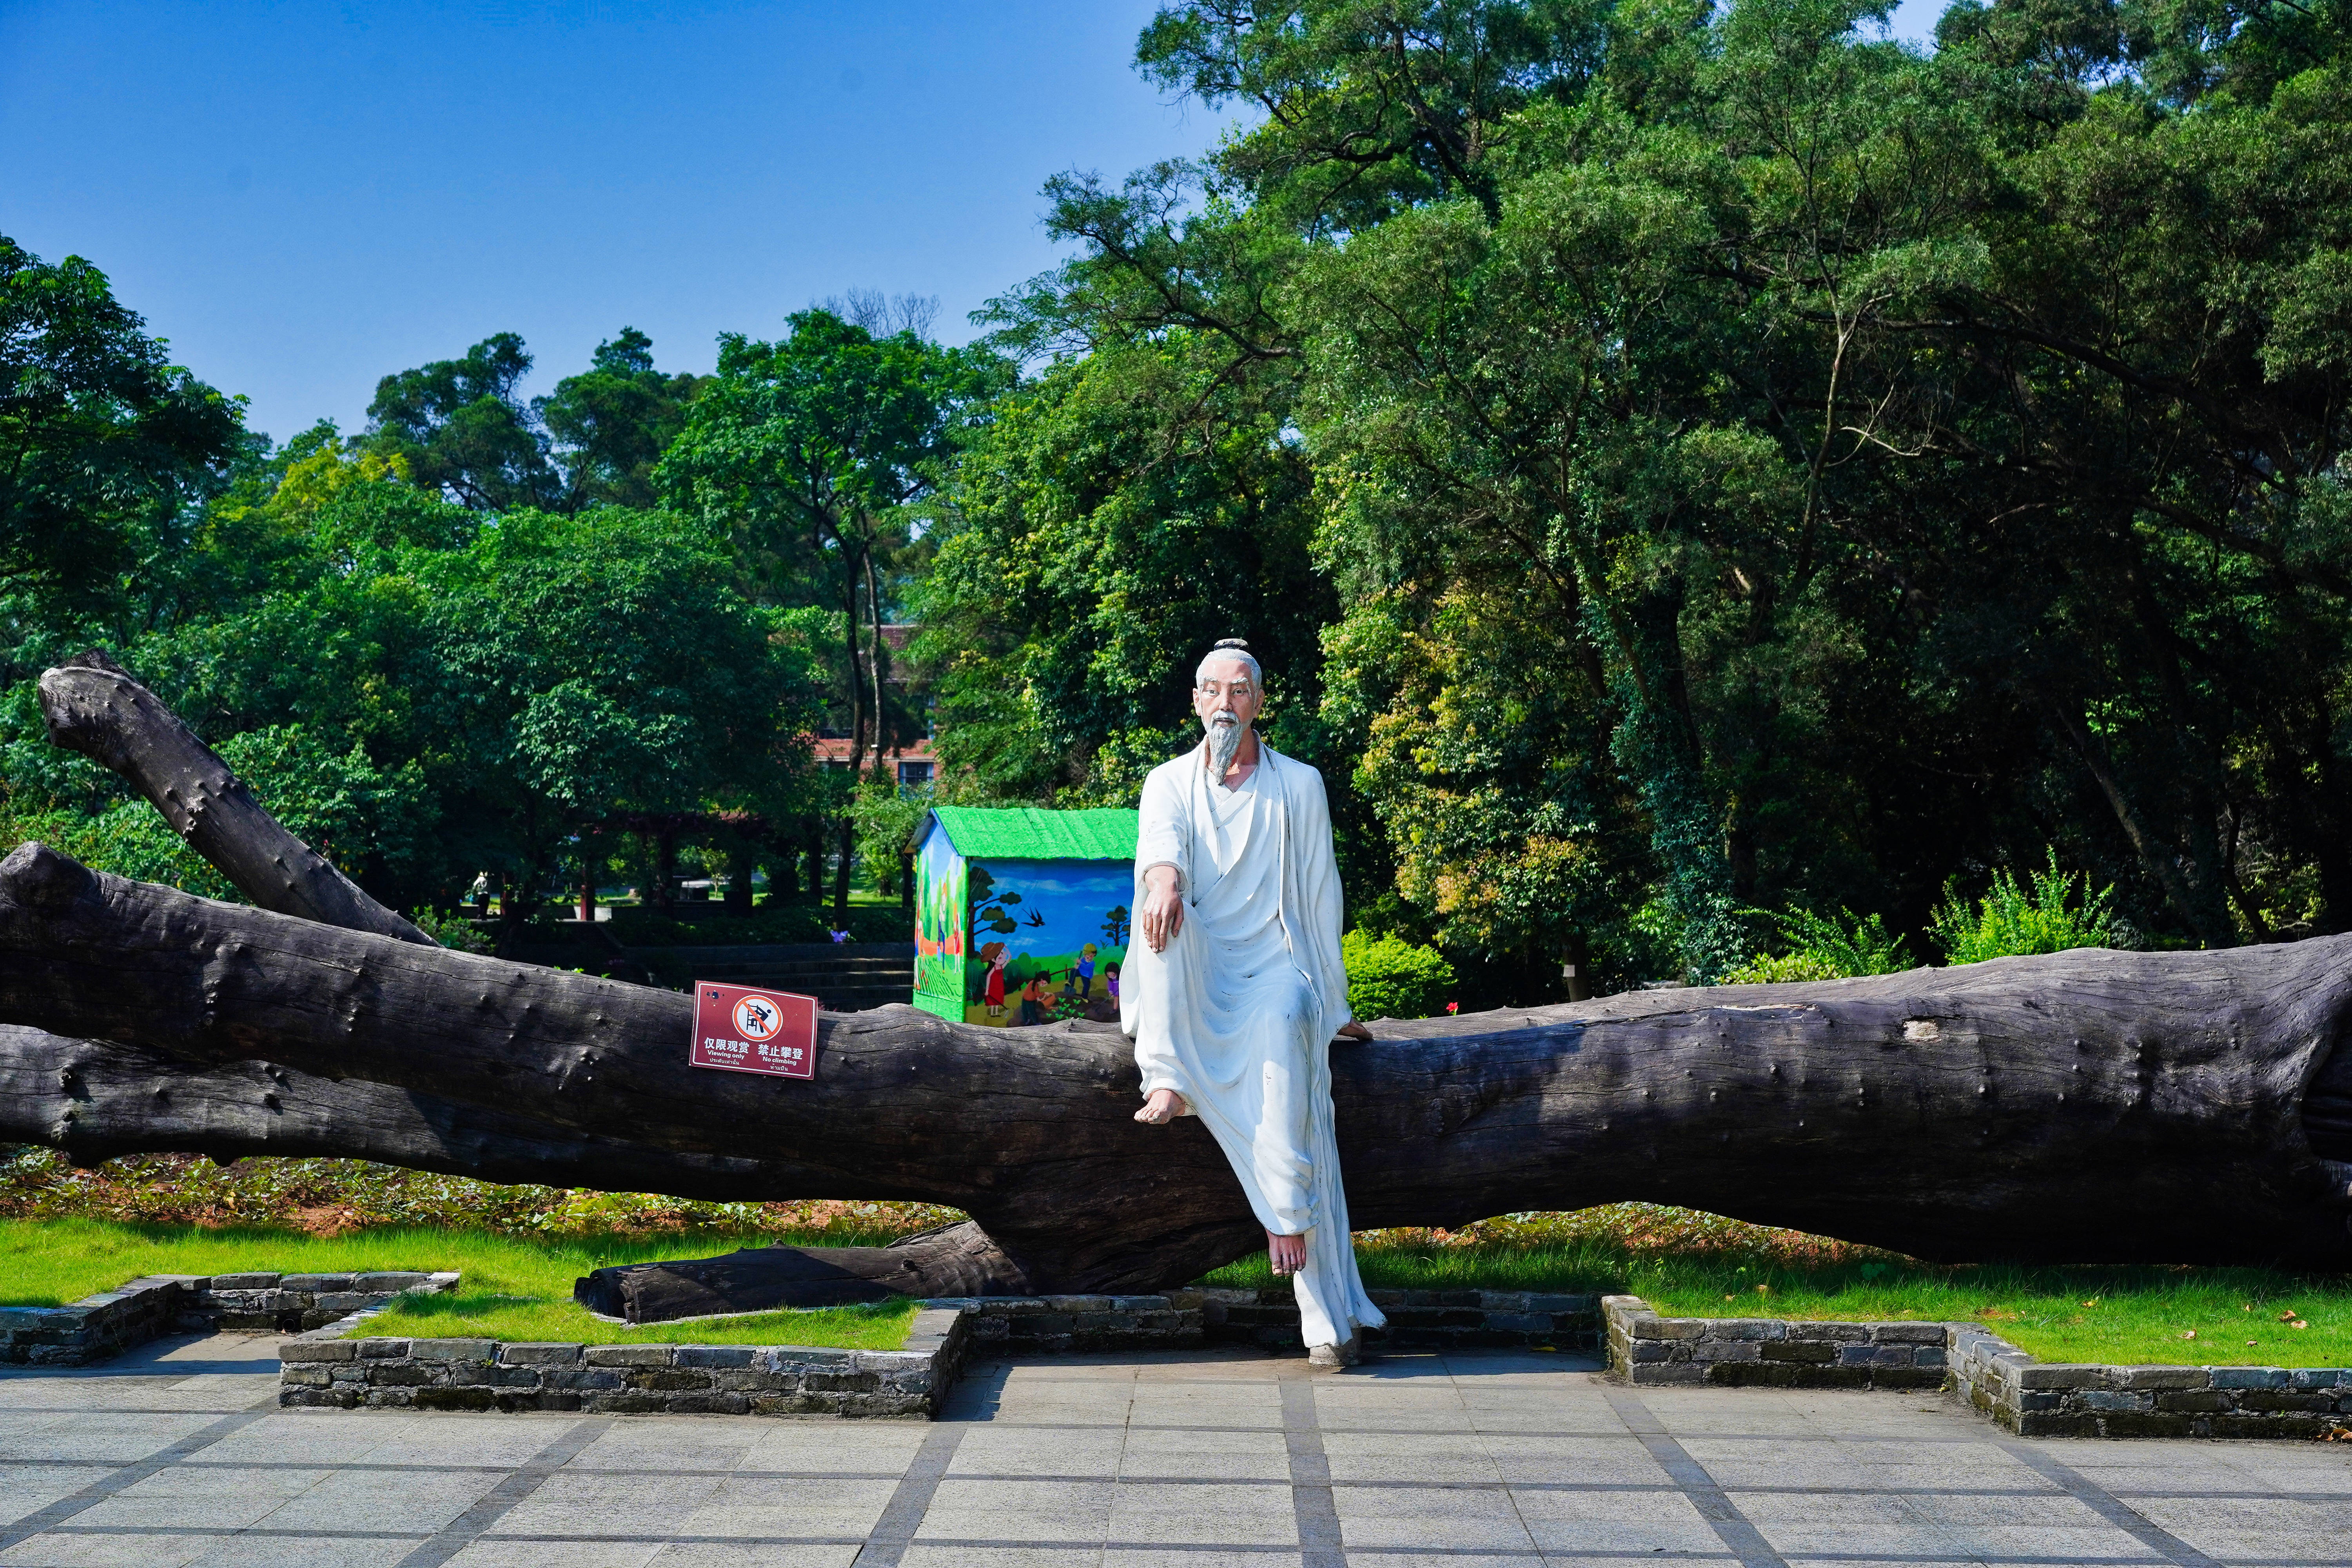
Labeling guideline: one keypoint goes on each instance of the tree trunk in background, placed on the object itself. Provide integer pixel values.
(665, 871)
(740, 863)
(587, 879)
(874, 661)
(846, 855)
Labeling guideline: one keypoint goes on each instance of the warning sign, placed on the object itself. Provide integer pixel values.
(738, 1030)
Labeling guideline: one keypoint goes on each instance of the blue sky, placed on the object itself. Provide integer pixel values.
(305, 197)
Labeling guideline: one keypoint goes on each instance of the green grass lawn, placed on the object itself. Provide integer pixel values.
(518, 1319)
(2174, 1316)
(1682, 1262)
(513, 1287)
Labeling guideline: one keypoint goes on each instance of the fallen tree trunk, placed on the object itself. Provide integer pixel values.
(2084, 1107)
(95, 1099)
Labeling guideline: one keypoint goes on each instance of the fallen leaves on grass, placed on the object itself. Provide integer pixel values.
(330, 1197)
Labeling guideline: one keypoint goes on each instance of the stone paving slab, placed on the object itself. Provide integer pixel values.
(177, 1457)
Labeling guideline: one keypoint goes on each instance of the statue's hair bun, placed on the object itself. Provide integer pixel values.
(1230, 642)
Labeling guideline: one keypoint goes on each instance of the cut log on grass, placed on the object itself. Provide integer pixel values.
(2083, 1107)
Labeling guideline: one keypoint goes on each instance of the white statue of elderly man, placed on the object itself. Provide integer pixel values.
(1235, 992)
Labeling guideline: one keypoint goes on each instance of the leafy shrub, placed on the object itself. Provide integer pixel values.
(885, 816)
(453, 931)
(1766, 969)
(1824, 947)
(2009, 920)
(1389, 977)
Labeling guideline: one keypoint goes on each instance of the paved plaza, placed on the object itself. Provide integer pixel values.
(177, 1454)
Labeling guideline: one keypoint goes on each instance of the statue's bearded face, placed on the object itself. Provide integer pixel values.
(1227, 699)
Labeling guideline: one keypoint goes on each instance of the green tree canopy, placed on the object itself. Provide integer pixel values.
(105, 445)
(1757, 462)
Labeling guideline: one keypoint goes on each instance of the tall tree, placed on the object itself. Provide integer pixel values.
(461, 427)
(609, 424)
(813, 454)
(105, 445)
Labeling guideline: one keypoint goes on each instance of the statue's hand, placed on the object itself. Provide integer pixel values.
(1352, 1030)
(1162, 915)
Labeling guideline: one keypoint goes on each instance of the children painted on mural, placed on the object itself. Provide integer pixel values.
(1034, 997)
(997, 957)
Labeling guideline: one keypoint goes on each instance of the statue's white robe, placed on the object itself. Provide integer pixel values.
(1237, 1013)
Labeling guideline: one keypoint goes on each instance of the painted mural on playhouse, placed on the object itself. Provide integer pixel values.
(1022, 914)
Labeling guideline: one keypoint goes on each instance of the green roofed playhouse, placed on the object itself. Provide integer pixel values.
(1021, 914)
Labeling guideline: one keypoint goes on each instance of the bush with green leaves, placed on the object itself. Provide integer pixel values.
(1389, 977)
(2009, 919)
(1823, 947)
(453, 931)
(885, 816)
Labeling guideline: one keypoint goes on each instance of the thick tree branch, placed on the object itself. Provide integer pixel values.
(96, 706)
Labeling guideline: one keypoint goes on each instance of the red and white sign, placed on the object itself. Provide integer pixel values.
(738, 1030)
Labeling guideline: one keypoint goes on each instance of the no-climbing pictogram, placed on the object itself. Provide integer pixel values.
(739, 1029)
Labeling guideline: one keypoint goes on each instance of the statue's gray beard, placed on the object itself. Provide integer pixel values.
(1225, 733)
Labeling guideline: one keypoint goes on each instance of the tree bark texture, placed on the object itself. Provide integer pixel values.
(2088, 1105)
(96, 706)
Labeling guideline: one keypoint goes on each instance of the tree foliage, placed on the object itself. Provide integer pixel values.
(1756, 461)
(102, 439)
(426, 690)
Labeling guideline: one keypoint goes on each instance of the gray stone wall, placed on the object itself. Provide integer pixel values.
(1645, 1349)
(1419, 1319)
(2032, 1398)
(2067, 1399)
(1054, 1325)
(322, 1369)
(112, 1321)
(292, 1303)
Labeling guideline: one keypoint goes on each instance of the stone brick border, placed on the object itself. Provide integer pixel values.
(322, 1368)
(2061, 1399)
(1056, 1325)
(1267, 1317)
(112, 1321)
(1647, 1350)
(328, 1368)
(2032, 1398)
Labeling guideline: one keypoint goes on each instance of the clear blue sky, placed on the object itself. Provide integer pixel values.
(305, 197)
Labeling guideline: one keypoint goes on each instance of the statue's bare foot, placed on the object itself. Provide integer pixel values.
(1164, 1106)
(1287, 1253)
